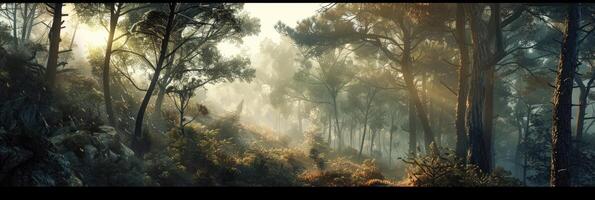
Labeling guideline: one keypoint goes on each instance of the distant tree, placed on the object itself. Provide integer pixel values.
(376, 25)
(22, 18)
(333, 72)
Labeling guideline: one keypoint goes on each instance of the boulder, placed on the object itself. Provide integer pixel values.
(95, 156)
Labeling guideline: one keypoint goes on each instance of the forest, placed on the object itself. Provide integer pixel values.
(297, 94)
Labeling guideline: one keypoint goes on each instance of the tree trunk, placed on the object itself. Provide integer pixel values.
(525, 139)
(24, 15)
(32, 16)
(351, 134)
(158, 67)
(299, 116)
(517, 152)
(361, 147)
(166, 80)
(562, 99)
(330, 130)
(54, 37)
(478, 154)
(337, 125)
(375, 136)
(114, 14)
(390, 139)
(28, 16)
(15, 27)
(181, 125)
(412, 128)
(413, 93)
(489, 114)
(580, 122)
(159, 100)
(461, 144)
(489, 90)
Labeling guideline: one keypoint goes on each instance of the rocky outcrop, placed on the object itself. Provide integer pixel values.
(30, 160)
(77, 158)
(99, 158)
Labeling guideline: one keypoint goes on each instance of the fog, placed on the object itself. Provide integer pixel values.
(298, 94)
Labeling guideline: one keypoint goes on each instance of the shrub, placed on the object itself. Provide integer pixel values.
(343, 172)
(271, 167)
(327, 178)
(442, 168)
(164, 172)
(193, 157)
(228, 128)
(81, 103)
(123, 172)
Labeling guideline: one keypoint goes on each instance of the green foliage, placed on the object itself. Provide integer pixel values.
(80, 102)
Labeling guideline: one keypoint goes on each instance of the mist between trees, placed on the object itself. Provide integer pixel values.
(352, 94)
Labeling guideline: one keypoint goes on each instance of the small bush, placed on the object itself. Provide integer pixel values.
(81, 103)
(442, 168)
(342, 172)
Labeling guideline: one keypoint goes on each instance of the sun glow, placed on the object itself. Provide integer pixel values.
(91, 37)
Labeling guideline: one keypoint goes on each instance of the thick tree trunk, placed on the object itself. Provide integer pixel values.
(562, 99)
(114, 14)
(158, 67)
(478, 153)
(489, 114)
(54, 37)
(490, 81)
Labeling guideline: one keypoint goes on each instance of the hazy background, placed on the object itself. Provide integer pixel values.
(226, 96)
